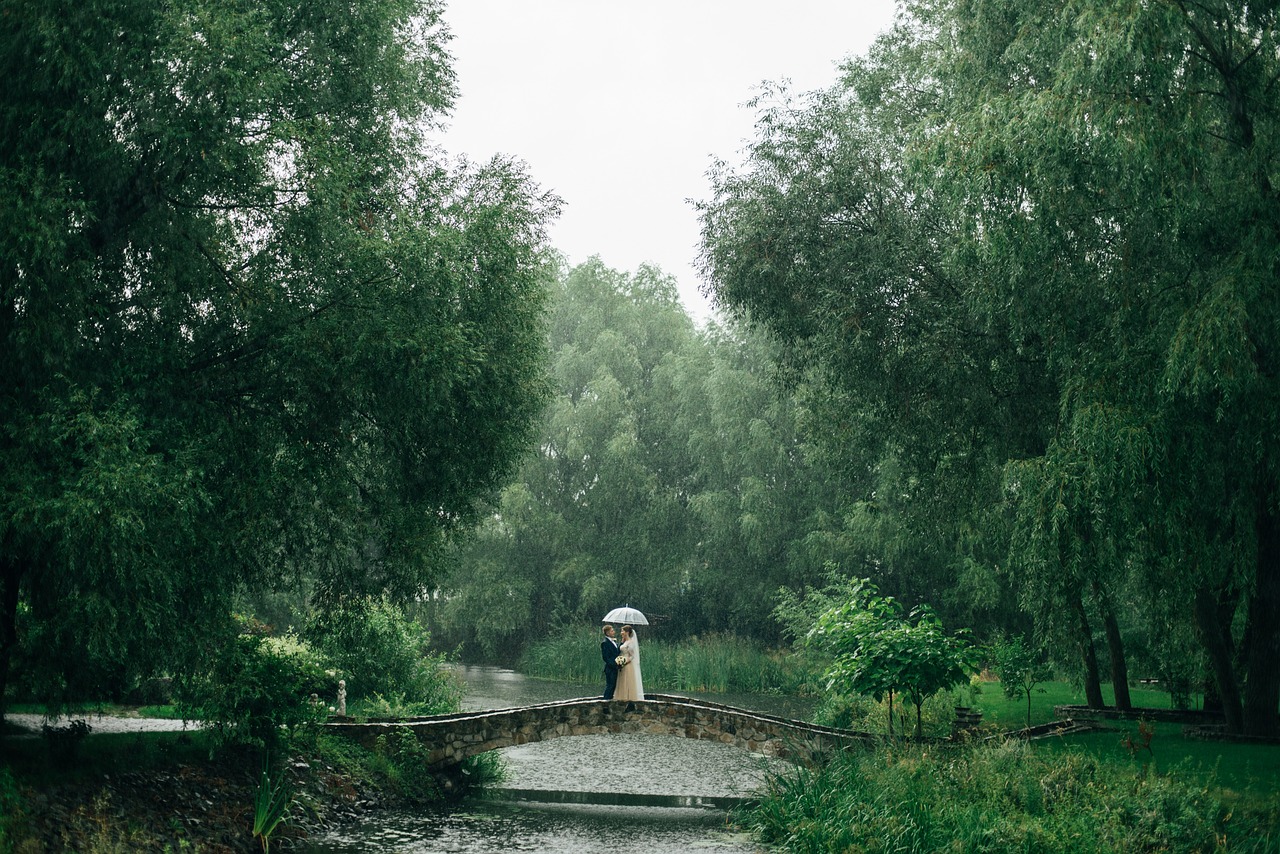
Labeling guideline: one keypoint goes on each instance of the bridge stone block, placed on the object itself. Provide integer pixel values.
(448, 739)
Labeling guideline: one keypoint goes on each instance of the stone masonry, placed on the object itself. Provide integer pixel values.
(451, 738)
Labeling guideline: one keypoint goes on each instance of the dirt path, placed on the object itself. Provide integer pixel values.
(98, 723)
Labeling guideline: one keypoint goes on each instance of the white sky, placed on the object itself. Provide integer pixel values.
(620, 109)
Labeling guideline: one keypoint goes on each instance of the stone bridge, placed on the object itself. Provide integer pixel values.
(451, 738)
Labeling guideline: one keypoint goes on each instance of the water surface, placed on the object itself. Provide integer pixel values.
(625, 792)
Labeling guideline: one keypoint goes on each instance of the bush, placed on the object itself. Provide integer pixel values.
(381, 651)
(256, 690)
(857, 712)
(11, 813)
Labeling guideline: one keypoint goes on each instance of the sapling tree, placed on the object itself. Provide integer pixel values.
(877, 651)
(932, 660)
(1020, 667)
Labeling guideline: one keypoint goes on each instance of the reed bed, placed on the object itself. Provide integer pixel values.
(715, 663)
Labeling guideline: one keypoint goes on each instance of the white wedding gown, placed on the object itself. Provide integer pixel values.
(630, 680)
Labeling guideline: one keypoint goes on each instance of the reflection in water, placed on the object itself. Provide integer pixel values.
(487, 826)
(498, 688)
(603, 793)
(635, 763)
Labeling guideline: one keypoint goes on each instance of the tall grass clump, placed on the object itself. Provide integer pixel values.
(721, 663)
(571, 654)
(717, 663)
(1003, 797)
(864, 714)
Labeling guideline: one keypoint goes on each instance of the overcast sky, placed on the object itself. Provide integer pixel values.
(620, 108)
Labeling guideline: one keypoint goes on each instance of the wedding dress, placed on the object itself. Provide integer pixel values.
(630, 681)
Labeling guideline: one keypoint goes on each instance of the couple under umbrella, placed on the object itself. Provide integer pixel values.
(622, 675)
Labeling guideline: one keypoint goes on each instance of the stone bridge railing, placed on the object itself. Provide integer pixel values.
(451, 738)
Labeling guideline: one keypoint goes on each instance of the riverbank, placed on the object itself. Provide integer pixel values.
(161, 791)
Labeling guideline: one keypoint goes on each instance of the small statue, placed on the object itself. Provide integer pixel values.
(342, 697)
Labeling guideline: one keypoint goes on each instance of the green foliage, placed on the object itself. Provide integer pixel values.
(860, 712)
(722, 663)
(671, 474)
(1005, 797)
(715, 663)
(271, 804)
(1020, 668)
(877, 652)
(397, 706)
(570, 654)
(1025, 261)
(11, 809)
(401, 762)
(398, 766)
(380, 650)
(256, 331)
(253, 694)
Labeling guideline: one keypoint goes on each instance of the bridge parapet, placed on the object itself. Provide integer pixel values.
(449, 739)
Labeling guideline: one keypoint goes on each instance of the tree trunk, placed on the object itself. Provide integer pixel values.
(10, 580)
(1115, 648)
(1262, 655)
(1215, 634)
(1089, 660)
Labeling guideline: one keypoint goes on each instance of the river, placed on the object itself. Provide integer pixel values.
(589, 794)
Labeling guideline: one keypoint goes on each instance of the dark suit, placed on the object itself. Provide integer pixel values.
(609, 652)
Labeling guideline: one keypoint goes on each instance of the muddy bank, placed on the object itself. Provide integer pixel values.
(207, 807)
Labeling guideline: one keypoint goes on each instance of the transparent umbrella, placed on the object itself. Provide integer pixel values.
(625, 614)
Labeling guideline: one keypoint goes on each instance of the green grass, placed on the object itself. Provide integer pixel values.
(712, 663)
(1250, 769)
(1012, 714)
(87, 710)
(1005, 796)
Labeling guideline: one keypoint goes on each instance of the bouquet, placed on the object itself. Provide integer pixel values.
(621, 661)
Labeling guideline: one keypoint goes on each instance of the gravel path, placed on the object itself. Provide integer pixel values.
(99, 723)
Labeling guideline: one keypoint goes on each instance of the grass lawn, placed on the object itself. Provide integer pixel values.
(168, 712)
(1249, 770)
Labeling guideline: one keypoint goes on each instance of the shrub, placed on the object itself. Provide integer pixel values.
(864, 714)
(381, 651)
(11, 812)
(254, 692)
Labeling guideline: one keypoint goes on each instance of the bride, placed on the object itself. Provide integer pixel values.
(630, 682)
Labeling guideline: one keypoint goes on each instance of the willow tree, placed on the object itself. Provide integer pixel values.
(253, 330)
(1041, 240)
(831, 239)
(1136, 148)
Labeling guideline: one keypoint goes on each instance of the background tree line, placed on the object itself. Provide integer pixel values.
(1016, 274)
(1000, 334)
(1029, 253)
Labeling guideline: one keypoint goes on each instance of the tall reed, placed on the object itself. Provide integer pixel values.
(716, 663)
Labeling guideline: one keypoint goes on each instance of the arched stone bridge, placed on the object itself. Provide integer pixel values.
(451, 738)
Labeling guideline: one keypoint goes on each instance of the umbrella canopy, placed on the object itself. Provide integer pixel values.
(626, 614)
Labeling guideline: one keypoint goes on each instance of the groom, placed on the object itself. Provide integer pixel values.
(609, 651)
